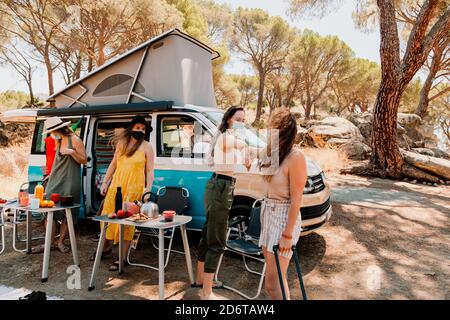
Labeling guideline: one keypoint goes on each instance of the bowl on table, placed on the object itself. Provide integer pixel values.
(66, 201)
(168, 215)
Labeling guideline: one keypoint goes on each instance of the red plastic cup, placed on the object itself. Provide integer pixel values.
(168, 215)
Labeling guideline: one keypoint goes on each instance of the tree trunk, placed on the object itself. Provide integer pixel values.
(422, 107)
(30, 90)
(48, 66)
(259, 106)
(385, 150)
(308, 106)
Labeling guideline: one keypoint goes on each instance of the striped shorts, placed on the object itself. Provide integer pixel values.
(274, 218)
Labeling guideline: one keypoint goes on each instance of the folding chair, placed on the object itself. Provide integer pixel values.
(246, 245)
(167, 198)
(19, 217)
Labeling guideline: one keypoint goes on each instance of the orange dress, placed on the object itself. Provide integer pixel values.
(130, 175)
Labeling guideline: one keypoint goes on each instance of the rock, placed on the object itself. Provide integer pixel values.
(363, 121)
(435, 184)
(411, 131)
(424, 151)
(437, 166)
(424, 183)
(356, 150)
(338, 129)
(438, 153)
(408, 119)
(414, 181)
(405, 179)
(441, 181)
(301, 135)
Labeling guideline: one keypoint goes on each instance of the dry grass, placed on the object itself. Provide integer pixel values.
(13, 169)
(330, 160)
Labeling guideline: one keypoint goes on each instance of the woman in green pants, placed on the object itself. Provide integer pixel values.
(226, 151)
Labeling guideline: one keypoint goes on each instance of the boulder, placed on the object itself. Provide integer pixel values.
(356, 150)
(438, 153)
(423, 151)
(334, 129)
(301, 135)
(363, 121)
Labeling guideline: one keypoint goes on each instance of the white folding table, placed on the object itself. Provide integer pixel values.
(48, 232)
(156, 223)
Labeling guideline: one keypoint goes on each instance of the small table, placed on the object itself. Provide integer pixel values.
(156, 223)
(48, 231)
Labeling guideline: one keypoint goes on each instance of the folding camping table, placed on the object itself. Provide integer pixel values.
(157, 223)
(48, 232)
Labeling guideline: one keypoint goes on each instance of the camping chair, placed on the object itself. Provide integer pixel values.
(167, 198)
(246, 245)
(20, 217)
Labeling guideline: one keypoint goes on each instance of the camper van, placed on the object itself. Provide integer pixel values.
(169, 80)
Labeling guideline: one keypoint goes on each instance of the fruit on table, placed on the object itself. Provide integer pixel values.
(50, 204)
(129, 213)
(3, 201)
(120, 214)
(133, 208)
(112, 216)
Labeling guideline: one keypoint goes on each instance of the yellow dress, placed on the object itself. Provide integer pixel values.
(130, 175)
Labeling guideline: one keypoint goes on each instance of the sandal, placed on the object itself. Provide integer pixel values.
(105, 254)
(115, 265)
(63, 248)
(216, 285)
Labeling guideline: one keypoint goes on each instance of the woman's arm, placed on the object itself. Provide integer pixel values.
(111, 169)
(149, 167)
(78, 151)
(297, 179)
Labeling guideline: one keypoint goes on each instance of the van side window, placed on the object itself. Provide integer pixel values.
(38, 144)
(181, 136)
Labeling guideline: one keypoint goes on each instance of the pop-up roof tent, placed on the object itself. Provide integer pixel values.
(172, 66)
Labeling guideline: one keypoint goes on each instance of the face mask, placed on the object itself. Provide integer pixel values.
(238, 125)
(54, 136)
(138, 135)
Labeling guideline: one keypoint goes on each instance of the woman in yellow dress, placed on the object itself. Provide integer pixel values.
(131, 169)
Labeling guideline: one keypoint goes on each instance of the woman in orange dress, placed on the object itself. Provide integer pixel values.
(131, 169)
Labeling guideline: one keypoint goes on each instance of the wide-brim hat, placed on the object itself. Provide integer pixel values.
(54, 123)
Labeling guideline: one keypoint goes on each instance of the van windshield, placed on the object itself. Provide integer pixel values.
(250, 135)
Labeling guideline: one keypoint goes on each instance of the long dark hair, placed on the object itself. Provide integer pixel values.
(125, 137)
(231, 111)
(223, 126)
(64, 131)
(283, 121)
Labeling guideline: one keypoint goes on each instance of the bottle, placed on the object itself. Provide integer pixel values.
(39, 192)
(119, 200)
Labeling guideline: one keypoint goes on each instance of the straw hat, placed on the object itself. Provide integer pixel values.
(54, 123)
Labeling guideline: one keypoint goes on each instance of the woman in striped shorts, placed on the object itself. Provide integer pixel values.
(280, 212)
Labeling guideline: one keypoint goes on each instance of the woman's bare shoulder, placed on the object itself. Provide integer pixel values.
(296, 157)
(147, 146)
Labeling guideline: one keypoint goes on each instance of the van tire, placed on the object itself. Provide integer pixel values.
(240, 209)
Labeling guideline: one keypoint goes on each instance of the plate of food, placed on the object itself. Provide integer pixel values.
(138, 218)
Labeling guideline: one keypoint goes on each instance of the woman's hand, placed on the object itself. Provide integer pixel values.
(66, 151)
(285, 244)
(103, 189)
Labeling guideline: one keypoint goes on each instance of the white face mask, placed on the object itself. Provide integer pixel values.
(238, 125)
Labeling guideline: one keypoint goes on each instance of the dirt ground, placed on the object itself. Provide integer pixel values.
(385, 240)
